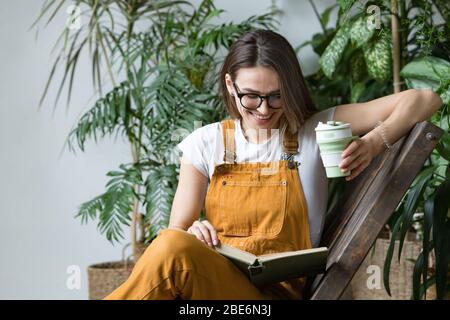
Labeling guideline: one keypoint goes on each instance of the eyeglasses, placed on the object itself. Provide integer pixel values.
(253, 101)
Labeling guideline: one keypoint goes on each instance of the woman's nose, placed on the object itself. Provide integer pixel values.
(264, 108)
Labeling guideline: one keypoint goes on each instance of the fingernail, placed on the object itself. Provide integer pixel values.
(215, 242)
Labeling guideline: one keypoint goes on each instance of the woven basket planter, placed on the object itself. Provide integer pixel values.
(400, 276)
(104, 278)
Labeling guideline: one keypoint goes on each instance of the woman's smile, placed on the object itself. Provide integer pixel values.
(261, 119)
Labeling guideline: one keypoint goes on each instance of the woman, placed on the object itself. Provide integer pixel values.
(259, 175)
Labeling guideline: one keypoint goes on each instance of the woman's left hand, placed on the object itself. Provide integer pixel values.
(356, 157)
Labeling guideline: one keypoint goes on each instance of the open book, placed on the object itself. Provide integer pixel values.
(276, 267)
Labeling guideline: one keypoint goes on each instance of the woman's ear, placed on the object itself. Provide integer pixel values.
(229, 84)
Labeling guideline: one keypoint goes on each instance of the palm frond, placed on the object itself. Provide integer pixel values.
(114, 207)
(160, 185)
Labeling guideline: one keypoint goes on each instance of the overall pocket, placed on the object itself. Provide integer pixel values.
(252, 207)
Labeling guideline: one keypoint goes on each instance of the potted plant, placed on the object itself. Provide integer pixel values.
(161, 58)
(360, 62)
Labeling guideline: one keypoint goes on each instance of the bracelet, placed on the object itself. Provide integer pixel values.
(383, 133)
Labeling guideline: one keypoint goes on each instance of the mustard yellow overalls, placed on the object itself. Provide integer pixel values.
(259, 207)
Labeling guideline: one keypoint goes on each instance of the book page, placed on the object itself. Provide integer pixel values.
(232, 252)
(272, 256)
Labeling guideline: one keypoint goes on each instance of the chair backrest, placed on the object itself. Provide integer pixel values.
(367, 202)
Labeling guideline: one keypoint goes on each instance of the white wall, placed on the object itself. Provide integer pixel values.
(40, 190)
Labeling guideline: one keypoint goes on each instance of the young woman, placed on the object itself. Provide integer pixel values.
(259, 175)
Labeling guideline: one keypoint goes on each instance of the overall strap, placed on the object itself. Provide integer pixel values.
(290, 142)
(229, 155)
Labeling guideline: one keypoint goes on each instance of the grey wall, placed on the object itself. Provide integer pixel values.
(40, 186)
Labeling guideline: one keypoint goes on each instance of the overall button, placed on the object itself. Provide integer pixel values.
(291, 164)
(222, 169)
(284, 182)
(224, 182)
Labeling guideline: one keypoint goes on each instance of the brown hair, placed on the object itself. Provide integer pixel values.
(270, 49)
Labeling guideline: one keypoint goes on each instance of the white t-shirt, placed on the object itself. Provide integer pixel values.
(204, 149)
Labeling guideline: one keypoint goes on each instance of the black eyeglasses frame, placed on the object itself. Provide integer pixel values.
(261, 98)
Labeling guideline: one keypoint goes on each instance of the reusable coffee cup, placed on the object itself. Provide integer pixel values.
(333, 137)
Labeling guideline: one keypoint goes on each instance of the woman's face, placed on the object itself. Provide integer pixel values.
(263, 81)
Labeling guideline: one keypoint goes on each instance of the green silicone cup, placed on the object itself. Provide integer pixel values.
(335, 172)
(335, 145)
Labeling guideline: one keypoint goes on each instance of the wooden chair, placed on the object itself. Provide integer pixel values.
(353, 224)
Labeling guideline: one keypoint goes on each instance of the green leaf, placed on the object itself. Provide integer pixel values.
(334, 51)
(430, 281)
(412, 199)
(160, 190)
(113, 208)
(360, 33)
(356, 91)
(389, 255)
(429, 72)
(319, 41)
(345, 5)
(418, 266)
(106, 116)
(427, 68)
(443, 147)
(414, 83)
(325, 16)
(358, 67)
(378, 57)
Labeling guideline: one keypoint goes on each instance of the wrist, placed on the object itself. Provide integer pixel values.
(375, 140)
(177, 227)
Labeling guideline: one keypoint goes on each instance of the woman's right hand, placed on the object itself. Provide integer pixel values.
(205, 232)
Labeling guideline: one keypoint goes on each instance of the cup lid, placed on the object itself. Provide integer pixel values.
(332, 125)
